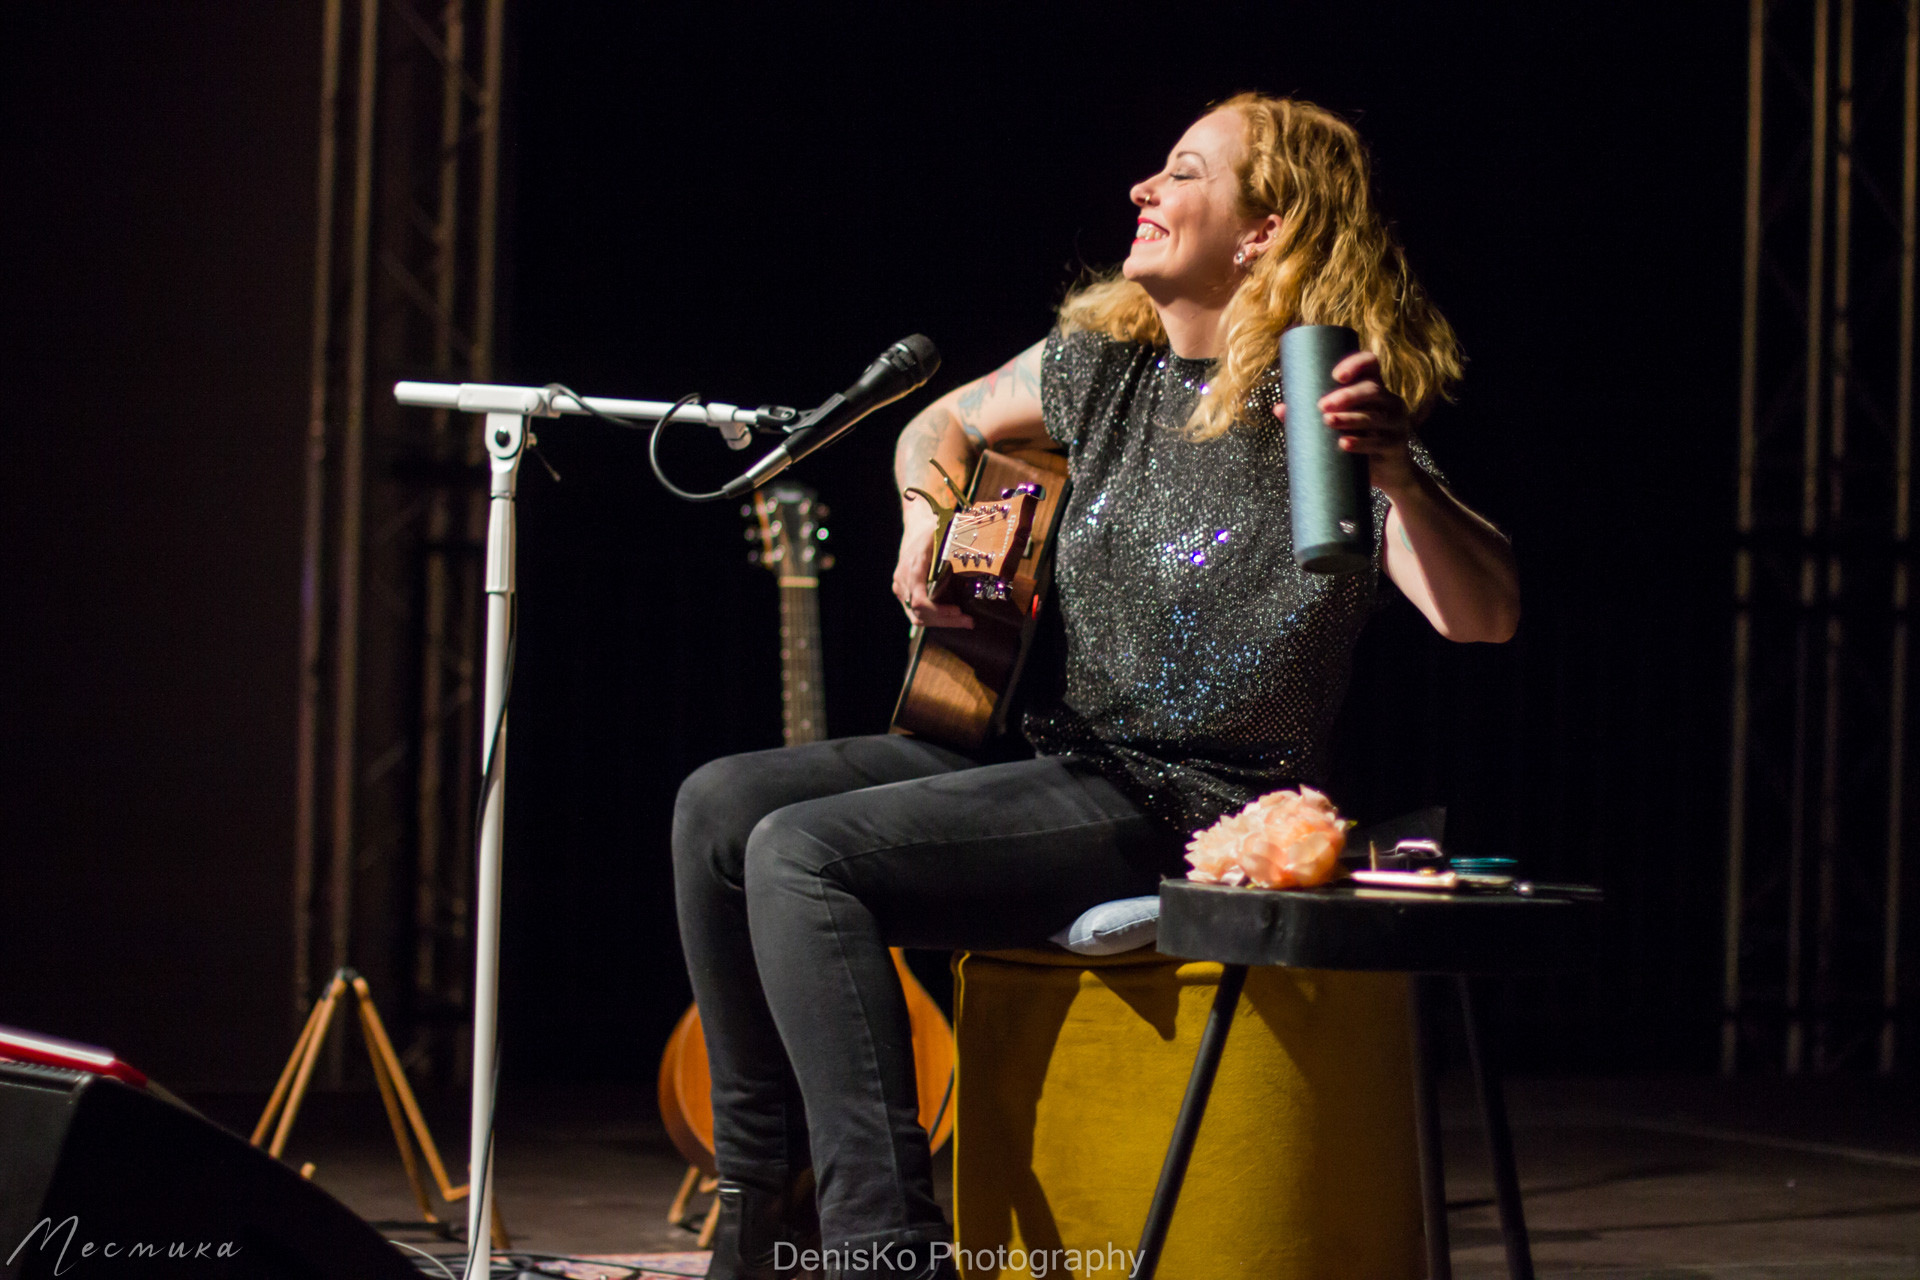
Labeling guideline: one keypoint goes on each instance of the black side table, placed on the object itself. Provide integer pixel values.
(1433, 936)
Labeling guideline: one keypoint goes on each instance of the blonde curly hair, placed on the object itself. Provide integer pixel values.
(1333, 262)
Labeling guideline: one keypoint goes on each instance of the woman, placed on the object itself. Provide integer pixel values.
(1198, 669)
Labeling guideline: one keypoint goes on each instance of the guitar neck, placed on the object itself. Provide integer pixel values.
(802, 698)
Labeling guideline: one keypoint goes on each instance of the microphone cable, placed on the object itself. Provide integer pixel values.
(653, 444)
(653, 458)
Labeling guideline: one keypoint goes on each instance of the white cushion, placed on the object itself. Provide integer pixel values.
(1112, 927)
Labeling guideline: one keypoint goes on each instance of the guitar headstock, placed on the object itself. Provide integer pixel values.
(786, 524)
(987, 539)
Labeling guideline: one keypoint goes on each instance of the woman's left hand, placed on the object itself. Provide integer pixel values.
(1371, 420)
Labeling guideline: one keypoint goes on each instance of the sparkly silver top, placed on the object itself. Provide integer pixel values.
(1200, 667)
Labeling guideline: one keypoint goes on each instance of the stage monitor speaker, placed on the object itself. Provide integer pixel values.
(126, 1183)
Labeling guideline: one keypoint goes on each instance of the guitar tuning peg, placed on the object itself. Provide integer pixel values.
(820, 509)
(746, 511)
(826, 562)
(820, 535)
(753, 556)
(751, 535)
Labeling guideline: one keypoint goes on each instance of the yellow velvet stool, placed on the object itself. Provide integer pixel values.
(1072, 1068)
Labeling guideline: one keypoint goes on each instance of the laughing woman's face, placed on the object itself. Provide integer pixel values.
(1190, 223)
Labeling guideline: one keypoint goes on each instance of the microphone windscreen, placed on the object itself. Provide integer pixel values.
(1332, 500)
(921, 354)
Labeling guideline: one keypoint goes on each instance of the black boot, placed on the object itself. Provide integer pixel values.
(750, 1225)
(764, 1235)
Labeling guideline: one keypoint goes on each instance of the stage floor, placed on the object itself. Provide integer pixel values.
(1635, 1179)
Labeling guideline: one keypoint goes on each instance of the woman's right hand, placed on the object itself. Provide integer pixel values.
(910, 573)
(999, 409)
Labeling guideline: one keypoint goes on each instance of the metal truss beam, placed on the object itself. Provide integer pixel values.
(407, 224)
(1819, 714)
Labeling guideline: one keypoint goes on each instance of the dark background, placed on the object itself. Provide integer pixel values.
(751, 207)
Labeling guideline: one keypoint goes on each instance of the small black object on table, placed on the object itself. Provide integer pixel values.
(1431, 935)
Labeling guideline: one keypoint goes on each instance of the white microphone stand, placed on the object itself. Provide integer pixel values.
(508, 410)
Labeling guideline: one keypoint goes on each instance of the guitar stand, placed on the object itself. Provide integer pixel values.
(403, 1111)
(677, 1215)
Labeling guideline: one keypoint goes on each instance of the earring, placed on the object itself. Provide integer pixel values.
(1240, 256)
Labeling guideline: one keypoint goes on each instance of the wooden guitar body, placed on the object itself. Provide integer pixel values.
(686, 1092)
(997, 570)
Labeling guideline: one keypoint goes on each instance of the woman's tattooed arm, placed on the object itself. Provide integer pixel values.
(1003, 407)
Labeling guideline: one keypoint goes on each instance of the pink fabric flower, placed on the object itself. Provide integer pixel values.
(1283, 840)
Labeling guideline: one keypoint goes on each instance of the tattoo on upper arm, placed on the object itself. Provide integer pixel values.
(1021, 375)
(970, 401)
(1018, 376)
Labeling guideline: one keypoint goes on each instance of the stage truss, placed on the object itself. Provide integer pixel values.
(395, 516)
(1820, 715)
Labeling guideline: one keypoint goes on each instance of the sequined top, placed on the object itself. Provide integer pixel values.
(1200, 666)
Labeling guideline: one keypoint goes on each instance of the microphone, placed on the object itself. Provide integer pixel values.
(902, 368)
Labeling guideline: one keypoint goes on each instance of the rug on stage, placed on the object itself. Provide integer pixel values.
(619, 1266)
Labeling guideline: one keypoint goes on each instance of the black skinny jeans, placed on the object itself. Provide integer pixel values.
(796, 869)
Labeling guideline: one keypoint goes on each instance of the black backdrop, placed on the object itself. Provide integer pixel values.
(751, 211)
(751, 206)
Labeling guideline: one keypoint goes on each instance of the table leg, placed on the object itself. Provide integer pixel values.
(1426, 1123)
(1187, 1127)
(1493, 1111)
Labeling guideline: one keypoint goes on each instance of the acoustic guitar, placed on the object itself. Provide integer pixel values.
(784, 522)
(995, 561)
